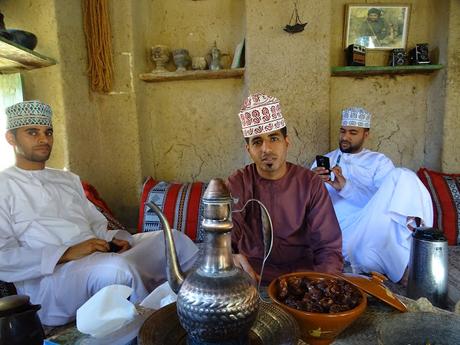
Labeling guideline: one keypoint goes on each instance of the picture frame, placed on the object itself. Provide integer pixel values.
(377, 26)
(238, 57)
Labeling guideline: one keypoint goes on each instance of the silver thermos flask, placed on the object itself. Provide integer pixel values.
(428, 265)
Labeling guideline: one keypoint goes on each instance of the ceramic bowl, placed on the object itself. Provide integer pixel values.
(318, 328)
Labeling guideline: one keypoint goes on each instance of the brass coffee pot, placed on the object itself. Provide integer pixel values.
(218, 302)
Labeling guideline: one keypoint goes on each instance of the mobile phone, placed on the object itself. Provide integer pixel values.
(113, 247)
(323, 161)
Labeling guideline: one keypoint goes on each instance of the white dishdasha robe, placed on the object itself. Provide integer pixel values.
(372, 210)
(42, 214)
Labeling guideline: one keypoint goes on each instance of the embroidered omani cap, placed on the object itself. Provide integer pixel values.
(260, 114)
(356, 117)
(28, 113)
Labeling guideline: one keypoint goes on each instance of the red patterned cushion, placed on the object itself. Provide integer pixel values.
(180, 202)
(93, 196)
(445, 193)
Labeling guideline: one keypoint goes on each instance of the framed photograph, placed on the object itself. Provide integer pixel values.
(376, 26)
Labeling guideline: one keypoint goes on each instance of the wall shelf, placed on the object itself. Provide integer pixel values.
(193, 75)
(361, 71)
(14, 58)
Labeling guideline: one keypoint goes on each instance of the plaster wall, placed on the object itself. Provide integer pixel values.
(294, 68)
(451, 142)
(102, 128)
(189, 130)
(400, 105)
(96, 135)
(43, 84)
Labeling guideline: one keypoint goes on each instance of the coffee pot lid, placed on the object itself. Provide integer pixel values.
(13, 304)
(373, 285)
(429, 234)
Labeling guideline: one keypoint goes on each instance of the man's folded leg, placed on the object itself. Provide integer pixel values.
(73, 283)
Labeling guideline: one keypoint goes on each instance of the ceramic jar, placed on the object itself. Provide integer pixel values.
(199, 63)
(160, 55)
(215, 59)
(181, 59)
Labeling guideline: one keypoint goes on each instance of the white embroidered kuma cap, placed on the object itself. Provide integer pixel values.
(28, 113)
(356, 117)
(260, 114)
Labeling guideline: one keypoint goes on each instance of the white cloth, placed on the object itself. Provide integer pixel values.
(160, 297)
(372, 210)
(42, 214)
(107, 311)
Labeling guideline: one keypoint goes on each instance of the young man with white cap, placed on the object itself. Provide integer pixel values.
(306, 232)
(54, 244)
(376, 204)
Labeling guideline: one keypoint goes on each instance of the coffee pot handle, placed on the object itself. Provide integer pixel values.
(267, 232)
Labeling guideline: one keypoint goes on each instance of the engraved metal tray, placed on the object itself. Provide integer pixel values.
(272, 327)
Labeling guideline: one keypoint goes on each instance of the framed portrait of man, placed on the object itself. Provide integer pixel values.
(378, 26)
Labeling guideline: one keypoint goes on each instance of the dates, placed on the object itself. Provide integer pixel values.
(321, 296)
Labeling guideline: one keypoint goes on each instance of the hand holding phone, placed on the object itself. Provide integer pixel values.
(323, 162)
(113, 247)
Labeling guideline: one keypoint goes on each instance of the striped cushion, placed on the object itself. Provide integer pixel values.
(445, 193)
(93, 196)
(180, 202)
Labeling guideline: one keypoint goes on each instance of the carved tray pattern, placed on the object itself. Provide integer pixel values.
(272, 327)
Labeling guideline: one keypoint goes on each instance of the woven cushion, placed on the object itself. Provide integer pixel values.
(93, 196)
(180, 203)
(445, 193)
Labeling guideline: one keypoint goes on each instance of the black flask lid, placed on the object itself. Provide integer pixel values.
(429, 234)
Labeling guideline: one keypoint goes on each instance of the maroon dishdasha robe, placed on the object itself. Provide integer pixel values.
(307, 235)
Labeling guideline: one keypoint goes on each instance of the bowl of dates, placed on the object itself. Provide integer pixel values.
(323, 304)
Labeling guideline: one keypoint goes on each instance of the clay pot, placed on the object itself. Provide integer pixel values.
(181, 59)
(160, 55)
(199, 63)
(318, 328)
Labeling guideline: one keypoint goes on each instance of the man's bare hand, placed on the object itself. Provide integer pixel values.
(240, 261)
(124, 245)
(339, 180)
(83, 249)
(323, 173)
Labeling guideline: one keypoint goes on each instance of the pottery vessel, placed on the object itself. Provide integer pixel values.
(215, 59)
(199, 63)
(160, 55)
(218, 302)
(318, 328)
(181, 59)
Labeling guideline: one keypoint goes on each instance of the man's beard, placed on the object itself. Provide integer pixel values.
(36, 157)
(351, 148)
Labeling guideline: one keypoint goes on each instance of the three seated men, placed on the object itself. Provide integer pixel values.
(54, 245)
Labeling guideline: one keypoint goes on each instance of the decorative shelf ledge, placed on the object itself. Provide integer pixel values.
(193, 75)
(357, 71)
(14, 58)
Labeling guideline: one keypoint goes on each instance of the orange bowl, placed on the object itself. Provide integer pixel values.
(318, 328)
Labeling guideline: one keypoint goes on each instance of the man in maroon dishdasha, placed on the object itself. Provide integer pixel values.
(306, 235)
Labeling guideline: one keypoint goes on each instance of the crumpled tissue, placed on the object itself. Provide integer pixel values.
(106, 311)
(158, 298)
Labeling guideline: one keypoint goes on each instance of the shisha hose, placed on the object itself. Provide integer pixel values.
(267, 232)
